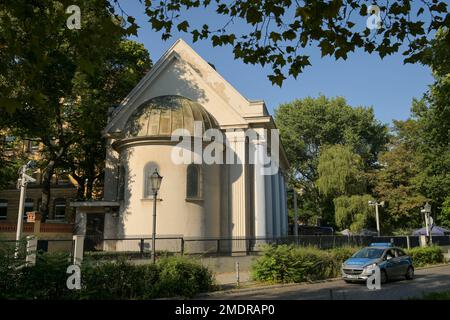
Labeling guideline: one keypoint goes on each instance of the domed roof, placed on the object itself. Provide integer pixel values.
(160, 116)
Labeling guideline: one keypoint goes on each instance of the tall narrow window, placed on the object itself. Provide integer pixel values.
(60, 209)
(29, 206)
(148, 171)
(121, 183)
(3, 209)
(193, 182)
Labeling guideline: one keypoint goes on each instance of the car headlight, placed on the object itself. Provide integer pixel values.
(370, 267)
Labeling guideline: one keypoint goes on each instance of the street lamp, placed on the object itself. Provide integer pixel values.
(427, 212)
(22, 185)
(155, 181)
(377, 216)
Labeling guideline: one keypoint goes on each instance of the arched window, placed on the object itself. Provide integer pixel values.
(3, 209)
(194, 182)
(148, 171)
(59, 209)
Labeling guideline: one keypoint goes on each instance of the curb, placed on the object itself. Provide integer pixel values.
(262, 286)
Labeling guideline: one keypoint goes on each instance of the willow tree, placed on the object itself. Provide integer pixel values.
(342, 179)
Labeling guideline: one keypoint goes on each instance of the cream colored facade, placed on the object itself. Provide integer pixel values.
(233, 200)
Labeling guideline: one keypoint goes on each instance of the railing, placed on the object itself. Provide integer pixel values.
(44, 245)
(136, 248)
(11, 227)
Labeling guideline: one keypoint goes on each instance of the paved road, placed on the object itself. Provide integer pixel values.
(427, 280)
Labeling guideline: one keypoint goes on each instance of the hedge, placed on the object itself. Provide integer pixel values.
(289, 263)
(169, 277)
(423, 256)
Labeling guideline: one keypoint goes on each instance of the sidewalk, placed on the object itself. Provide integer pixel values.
(229, 278)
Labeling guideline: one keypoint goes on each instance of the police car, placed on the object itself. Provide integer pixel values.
(393, 263)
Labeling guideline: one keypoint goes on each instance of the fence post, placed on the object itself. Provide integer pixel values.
(141, 247)
(31, 250)
(182, 246)
(237, 273)
(408, 244)
(78, 249)
(218, 246)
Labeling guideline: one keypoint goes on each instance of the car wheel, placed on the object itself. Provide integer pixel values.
(384, 277)
(410, 273)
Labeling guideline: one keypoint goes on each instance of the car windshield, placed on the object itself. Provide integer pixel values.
(371, 253)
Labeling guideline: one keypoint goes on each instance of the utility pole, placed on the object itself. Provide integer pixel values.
(377, 215)
(295, 216)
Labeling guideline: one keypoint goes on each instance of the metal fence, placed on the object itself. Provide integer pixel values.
(44, 245)
(141, 247)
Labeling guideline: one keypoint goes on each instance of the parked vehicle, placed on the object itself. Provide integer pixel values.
(393, 263)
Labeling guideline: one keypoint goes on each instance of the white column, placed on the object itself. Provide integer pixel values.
(258, 148)
(269, 211)
(276, 205)
(238, 207)
(284, 213)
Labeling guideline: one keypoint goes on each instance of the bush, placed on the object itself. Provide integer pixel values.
(173, 276)
(423, 256)
(288, 263)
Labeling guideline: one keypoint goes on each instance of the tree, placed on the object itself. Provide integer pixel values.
(39, 59)
(122, 69)
(353, 212)
(308, 125)
(340, 172)
(396, 180)
(279, 30)
(342, 180)
(432, 114)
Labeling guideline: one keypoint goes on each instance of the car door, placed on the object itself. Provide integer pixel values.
(390, 264)
(403, 262)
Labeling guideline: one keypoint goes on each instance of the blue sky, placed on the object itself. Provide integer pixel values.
(364, 80)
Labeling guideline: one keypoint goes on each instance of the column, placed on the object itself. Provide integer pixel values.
(283, 209)
(276, 205)
(269, 211)
(238, 207)
(258, 148)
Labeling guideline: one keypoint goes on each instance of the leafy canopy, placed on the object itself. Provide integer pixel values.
(278, 31)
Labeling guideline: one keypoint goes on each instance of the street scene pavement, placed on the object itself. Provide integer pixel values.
(434, 279)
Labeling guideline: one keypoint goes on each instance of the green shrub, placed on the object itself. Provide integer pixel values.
(174, 276)
(288, 263)
(180, 276)
(423, 256)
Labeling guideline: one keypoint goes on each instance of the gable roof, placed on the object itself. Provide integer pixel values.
(203, 72)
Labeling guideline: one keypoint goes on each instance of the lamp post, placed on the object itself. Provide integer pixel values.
(22, 185)
(427, 212)
(155, 181)
(377, 216)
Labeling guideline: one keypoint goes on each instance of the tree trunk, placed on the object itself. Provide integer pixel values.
(46, 186)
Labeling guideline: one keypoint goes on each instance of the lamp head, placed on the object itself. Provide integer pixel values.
(155, 180)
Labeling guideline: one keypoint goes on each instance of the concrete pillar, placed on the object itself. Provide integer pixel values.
(80, 222)
(31, 250)
(269, 209)
(283, 207)
(239, 188)
(78, 249)
(258, 149)
(276, 205)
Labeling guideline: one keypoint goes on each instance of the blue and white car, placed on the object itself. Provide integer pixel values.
(393, 263)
